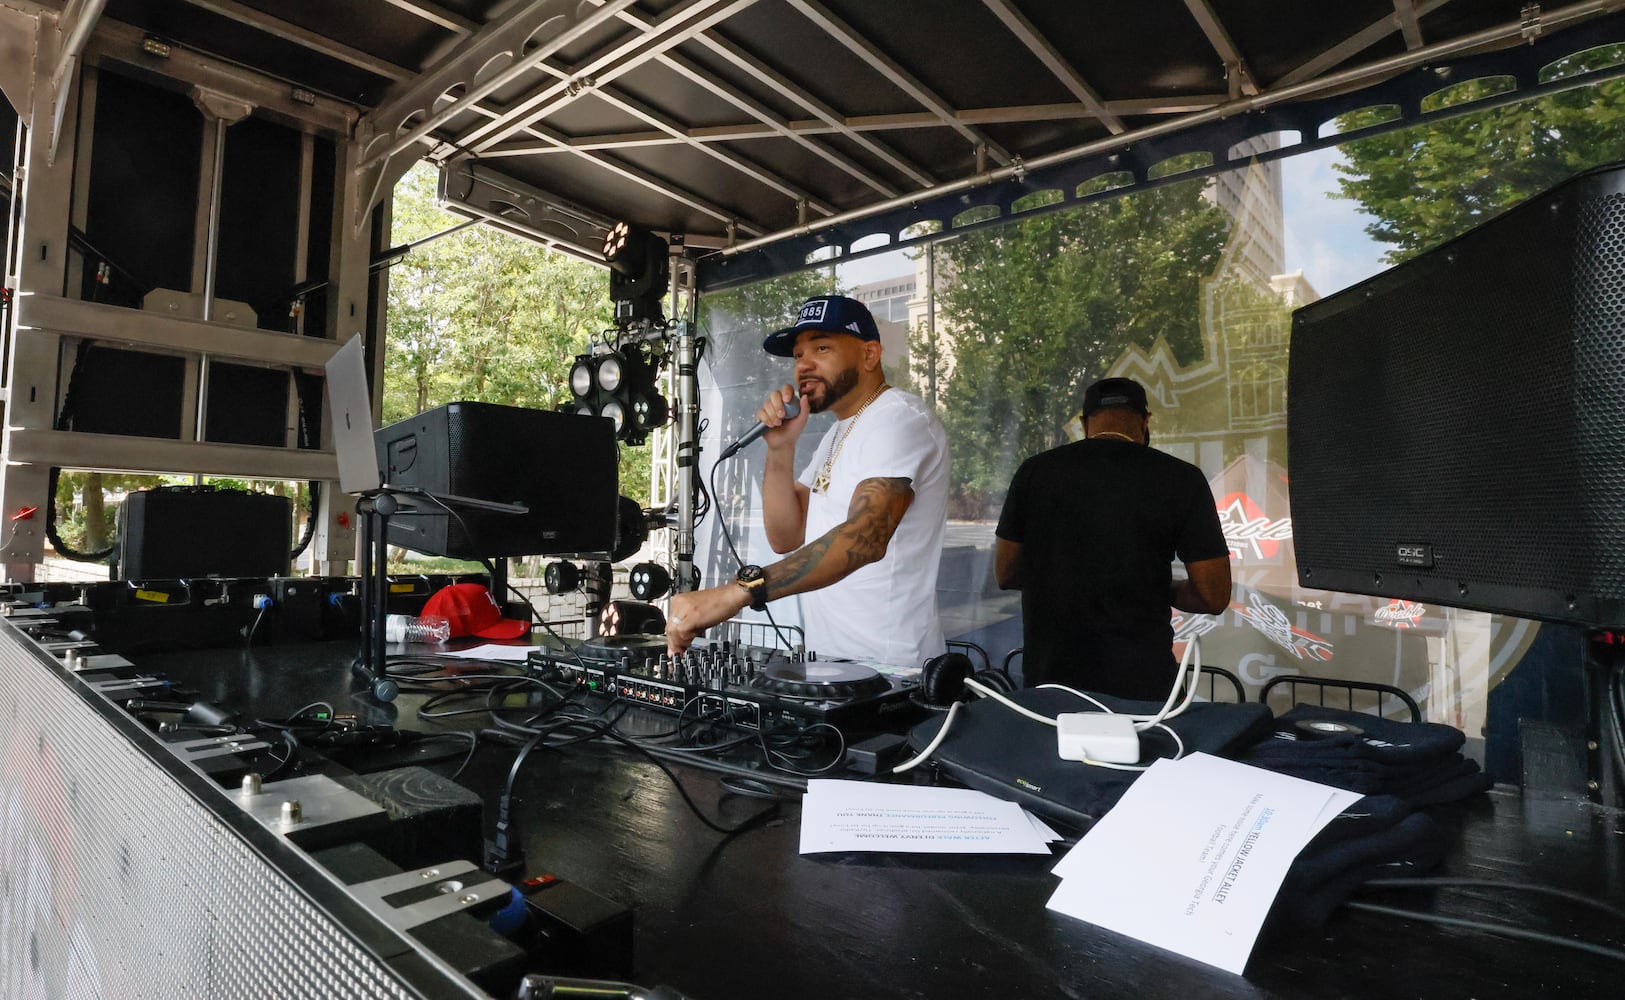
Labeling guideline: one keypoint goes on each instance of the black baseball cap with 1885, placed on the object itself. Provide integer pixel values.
(831, 313)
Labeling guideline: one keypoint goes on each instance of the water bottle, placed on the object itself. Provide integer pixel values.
(406, 628)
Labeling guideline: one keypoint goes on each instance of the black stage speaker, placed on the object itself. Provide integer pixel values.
(115, 391)
(561, 466)
(247, 405)
(179, 532)
(1456, 425)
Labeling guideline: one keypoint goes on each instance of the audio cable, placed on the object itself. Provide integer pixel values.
(1183, 692)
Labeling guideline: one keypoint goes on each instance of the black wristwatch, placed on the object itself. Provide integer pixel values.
(755, 583)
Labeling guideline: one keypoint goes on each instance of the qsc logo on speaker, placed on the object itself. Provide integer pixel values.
(1417, 554)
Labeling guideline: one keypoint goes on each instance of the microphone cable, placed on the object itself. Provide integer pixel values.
(722, 522)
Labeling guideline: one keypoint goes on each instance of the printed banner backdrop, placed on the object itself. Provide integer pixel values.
(977, 325)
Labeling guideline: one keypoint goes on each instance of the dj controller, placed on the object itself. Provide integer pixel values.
(753, 688)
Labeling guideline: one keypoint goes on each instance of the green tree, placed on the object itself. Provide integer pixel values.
(1428, 184)
(1033, 311)
(87, 504)
(481, 315)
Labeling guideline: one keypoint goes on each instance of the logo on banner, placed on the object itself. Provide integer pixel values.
(1268, 619)
(1188, 626)
(1248, 530)
(1400, 614)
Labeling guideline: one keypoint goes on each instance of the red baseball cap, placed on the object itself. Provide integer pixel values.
(472, 610)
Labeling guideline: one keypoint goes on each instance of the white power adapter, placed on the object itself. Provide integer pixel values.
(1100, 736)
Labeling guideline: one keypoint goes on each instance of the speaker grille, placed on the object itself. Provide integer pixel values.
(115, 881)
(1600, 371)
(1473, 401)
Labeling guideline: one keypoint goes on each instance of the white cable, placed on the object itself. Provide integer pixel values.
(1192, 680)
(987, 692)
(1186, 679)
(1180, 752)
(1192, 659)
(1115, 767)
(936, 741)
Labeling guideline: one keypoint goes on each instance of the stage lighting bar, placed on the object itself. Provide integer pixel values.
(620, 386)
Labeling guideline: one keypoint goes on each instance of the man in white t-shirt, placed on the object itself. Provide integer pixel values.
(863, 523)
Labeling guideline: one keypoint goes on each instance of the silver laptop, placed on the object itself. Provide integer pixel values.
(352, 419)
(353, 441)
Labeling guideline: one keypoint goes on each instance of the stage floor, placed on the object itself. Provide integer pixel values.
(747, 916)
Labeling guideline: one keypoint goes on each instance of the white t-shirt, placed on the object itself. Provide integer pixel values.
(887, 610)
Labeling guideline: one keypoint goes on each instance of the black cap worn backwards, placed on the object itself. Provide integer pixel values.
(1114, 392)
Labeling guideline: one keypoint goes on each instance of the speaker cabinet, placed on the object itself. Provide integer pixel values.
(562, 467)
(1456, 425)
(248, 404)
(179, 532)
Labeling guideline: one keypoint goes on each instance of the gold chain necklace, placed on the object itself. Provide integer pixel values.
(1114, 434)
(821, 481)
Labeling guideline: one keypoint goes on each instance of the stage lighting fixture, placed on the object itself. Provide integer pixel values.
(581, 377)
(621, 386)
(610, 374)
(631, 530)
(615, 242)
(648, 581)
(650, 410)
(631, 618)
(583, 383)
(638, 273)
(561, 577)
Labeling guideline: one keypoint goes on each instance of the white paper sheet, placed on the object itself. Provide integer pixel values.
(492, 651)
(869, 816)
(1192, 856)
(1045, 833)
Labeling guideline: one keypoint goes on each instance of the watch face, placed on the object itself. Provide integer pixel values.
(749, 574)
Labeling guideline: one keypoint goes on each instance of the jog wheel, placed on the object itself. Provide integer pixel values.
(609, 648)
(821, 679)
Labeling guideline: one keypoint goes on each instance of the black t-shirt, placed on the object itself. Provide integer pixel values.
(1099, 523)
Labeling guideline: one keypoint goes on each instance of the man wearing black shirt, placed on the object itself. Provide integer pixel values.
(1088, 534)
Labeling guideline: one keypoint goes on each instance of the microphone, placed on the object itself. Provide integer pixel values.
(792, 410)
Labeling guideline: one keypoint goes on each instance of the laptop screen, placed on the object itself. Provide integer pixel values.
(352, 419)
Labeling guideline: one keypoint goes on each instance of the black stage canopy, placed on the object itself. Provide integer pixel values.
(775, 132)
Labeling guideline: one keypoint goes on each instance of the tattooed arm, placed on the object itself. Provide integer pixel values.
(877, 507)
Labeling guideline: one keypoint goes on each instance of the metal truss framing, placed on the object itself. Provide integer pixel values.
(509, 90)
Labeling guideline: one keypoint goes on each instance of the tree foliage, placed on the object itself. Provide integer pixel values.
(1031, 312)
(87, 502)
(1428, 184)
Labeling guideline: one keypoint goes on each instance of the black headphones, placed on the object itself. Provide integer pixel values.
(942, 680)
